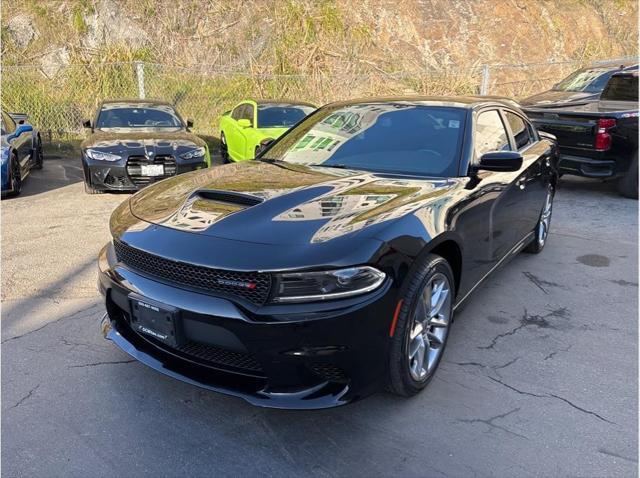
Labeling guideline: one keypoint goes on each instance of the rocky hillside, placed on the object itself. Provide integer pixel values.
(204, 56)
(287, 36)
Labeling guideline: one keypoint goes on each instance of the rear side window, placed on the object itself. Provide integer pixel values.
(621, 88)
(490, 133)
(521, 132)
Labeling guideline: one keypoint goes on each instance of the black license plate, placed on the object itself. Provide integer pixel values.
(155, 320)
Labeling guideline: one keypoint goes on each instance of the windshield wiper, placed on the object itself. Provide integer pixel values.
(336, 165)
(269, 160)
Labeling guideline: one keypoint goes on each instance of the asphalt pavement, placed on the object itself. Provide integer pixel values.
(539, 377)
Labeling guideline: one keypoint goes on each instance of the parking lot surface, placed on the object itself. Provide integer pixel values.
(539, 377)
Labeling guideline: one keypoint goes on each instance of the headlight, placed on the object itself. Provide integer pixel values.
(336, 284)
(194, 153)
(102, 156)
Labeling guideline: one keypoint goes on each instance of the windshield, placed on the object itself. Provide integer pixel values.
(138, 116)
(382, 137)
(589, 80)
(281, 116)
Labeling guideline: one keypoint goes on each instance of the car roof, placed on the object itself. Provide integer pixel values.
(626, 73)
(283, 102)
(469, 101)
(612, 65)
(135, 101)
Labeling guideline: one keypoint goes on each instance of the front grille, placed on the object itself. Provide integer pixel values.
(135, 163)
(199, 277)
(115, 181)
(329, 372)
(218, 356)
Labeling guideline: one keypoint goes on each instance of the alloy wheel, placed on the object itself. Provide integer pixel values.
(545, 218)
(430, 325)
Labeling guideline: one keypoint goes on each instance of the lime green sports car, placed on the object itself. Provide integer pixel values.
(250, 123)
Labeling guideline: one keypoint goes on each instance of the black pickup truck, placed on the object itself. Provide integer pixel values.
(598, 139)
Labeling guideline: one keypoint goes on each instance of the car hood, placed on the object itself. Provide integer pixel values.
(552, 98)
(128, 142)
(280, 203)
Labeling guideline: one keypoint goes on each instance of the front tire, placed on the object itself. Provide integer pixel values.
(422, 329)
(224, 149)
(16, 176)
(628, 184)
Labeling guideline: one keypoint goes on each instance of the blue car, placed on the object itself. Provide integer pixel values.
(21, 152)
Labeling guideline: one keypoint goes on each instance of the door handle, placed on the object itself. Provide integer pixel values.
(521, 183)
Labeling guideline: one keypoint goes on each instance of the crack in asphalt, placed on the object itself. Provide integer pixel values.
(94, 364)
(72, 316)
(554, 353)
(540, 283)
(615, 455)
(552, 395)
(490, 422)
(25, 398)
(539, 321)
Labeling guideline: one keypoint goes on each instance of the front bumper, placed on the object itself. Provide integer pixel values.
(115, 176)
(285, 356)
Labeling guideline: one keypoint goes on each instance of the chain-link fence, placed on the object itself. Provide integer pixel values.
(57, 103)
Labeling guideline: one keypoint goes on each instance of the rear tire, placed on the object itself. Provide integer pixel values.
(628, 184)
(38, 154)
(541, 232)
(423, 324)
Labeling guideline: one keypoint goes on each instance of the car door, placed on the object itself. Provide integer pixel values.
(246, 133)
(233, 131)
(499, 189)
(534, 176)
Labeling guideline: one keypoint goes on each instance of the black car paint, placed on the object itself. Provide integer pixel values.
(556, 98)
(477, 220)
(575, 129)
(146, 144)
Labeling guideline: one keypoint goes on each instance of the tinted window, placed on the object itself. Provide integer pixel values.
(621, 88)
(272, 116)
(490, 133)
(519, 129)
(237, 112)
(138, 116)
(380, 137)
(247, 112)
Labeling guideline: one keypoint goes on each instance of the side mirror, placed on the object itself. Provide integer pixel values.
(500, 161)
(23, 128)
(86, 123)
(244, 123)
(264, 144)
(189, 123)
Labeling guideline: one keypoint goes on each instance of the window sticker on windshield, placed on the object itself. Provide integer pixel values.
(454, 124)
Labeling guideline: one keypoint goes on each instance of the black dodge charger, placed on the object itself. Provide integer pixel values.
(134, 143)
(330, 267)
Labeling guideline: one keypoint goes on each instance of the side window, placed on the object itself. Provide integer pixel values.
(248, 113)
(519, 129)
(490, 134)
(236, 114)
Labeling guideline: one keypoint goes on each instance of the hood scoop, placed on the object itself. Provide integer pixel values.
(228, 197)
